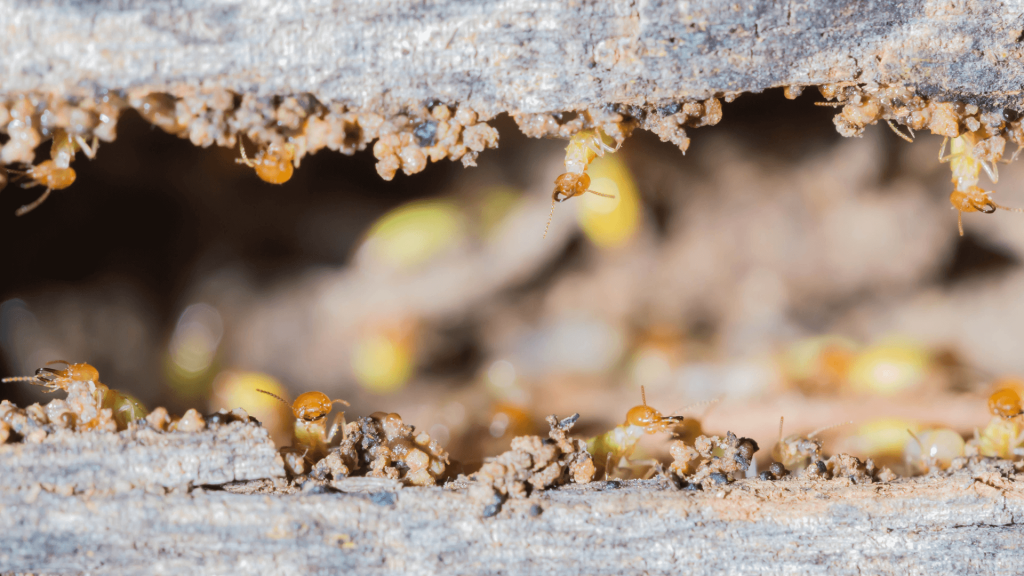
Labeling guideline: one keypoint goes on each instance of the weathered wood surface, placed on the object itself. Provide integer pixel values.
(513, 55)
(966, 523)
(68, 462)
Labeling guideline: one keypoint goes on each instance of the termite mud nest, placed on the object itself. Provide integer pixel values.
(285, 129)
(381, 450)
(380, 446)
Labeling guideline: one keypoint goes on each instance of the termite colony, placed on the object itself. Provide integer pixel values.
(977, 138)
(283, 130)
(71, 127)
(379, 446)
(327, 450)
(90, 406)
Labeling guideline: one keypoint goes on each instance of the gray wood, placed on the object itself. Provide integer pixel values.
(513, 55)
(964, 523)
(67, 462)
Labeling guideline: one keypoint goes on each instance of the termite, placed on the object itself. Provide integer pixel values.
(966, 166)
(610, 448)
(311, 432)
(272, 164)
(796, 451)
(584, 146)
(933, 449)
(1004, 434)
(95, 406)
(48, 174)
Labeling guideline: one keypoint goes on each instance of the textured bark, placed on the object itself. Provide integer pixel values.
(513, 55)
(68, 462)
(966, 522)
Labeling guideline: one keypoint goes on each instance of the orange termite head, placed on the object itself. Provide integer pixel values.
(49, 174)
(272, 165)
(974, 199)
(82, 372)
(1005, 403)
(569, 185)
(79, 372)
(54, 378)
(309, 406)
(648, 418)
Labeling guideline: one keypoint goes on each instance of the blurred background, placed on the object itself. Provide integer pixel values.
(775, 270)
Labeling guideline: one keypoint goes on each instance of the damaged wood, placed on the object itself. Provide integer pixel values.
(960, 522)
(518, 56)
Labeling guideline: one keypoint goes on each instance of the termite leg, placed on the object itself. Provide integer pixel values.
(942, 152)
(244, 159)
(337, 424)
(90, 151)
(898, 133)
(30, 207)
(991, 170)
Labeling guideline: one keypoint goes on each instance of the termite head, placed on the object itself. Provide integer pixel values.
(53, 378)
(80, 372)
(1005, 403)
(273, 164)
(569, 185)
(309, 406)
(650, 419)
(974, 199)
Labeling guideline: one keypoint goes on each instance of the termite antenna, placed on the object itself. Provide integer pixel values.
(643, 395)
(338, 401)
(960, 222)
(64, 362)
(830, 104)
(21, 379)
(1007, 208)
(601, 194)
(692, 407)
(272, 395)
(900, 134)
(826, 428)
(550, 216)
(781, 419)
